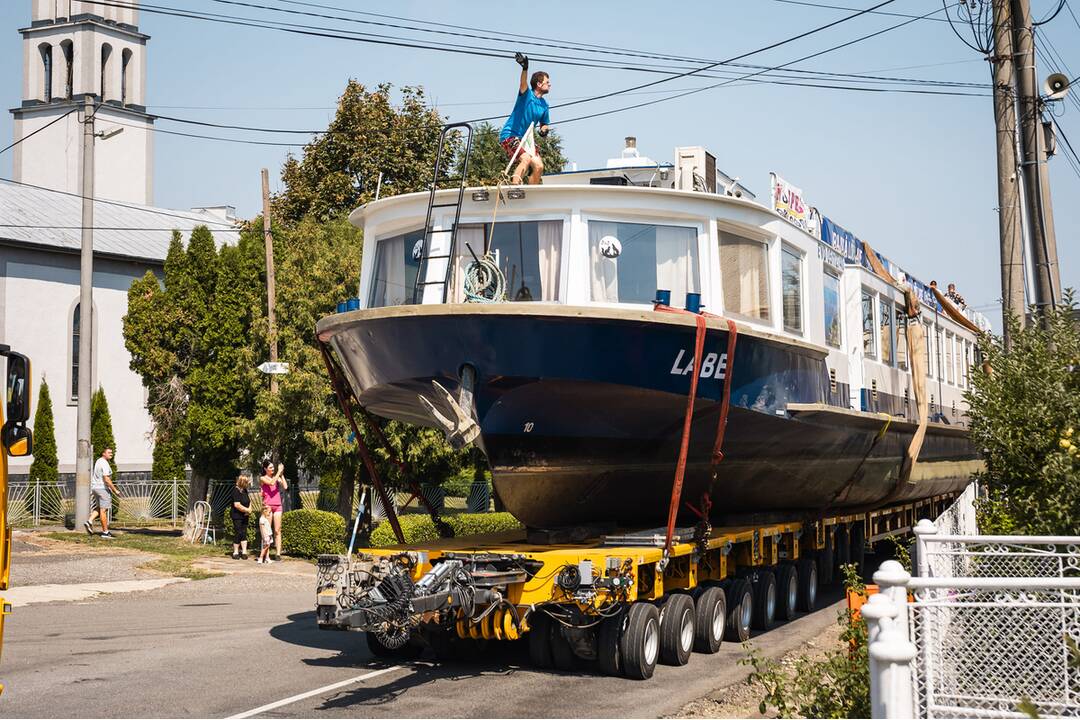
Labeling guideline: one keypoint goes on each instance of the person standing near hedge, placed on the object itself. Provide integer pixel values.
(241, 513)
(272, 484)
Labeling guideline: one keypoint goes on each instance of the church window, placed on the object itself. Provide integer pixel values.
(125, 75)
(46, 68)
(75, 354)
(69, 68)
(106, 52)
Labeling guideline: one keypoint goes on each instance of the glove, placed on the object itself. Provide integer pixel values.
(543, 132)
(522, 60)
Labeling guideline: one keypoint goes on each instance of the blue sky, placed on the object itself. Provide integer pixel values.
(912, 174)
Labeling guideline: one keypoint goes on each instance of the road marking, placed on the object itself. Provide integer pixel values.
(311, 693)
(32, 594)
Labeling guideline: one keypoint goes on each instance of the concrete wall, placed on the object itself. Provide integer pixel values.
(38, 294)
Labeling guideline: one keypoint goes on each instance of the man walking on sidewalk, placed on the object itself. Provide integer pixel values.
(100, 486)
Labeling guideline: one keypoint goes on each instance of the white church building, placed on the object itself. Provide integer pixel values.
(73, 50)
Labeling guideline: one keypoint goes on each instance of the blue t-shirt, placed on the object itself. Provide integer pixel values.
(527, 109)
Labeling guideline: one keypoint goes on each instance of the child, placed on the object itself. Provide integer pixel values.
(267, 532)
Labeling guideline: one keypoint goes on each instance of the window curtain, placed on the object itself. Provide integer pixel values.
(605, 271)
(474, 236)
(549, 240)
(676, 262)
(742, 269)
(389, 286)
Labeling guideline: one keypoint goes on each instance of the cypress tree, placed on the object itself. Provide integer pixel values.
(45, 468)
(101, 432)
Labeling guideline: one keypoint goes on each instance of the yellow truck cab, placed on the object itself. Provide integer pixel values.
(18, 442)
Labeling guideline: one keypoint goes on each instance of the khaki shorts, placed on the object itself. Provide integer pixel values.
(100, 499)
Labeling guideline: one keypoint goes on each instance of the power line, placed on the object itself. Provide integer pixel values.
(141, 208)
(823, 6)
(81, 227)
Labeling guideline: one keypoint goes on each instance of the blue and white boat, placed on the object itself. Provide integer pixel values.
(576, 387)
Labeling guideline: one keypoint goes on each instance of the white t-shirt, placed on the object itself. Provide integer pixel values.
(101, 469)
(265, 527)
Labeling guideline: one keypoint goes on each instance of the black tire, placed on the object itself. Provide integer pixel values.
(710, 618)
(787, 592)
(562, 655)
(808, 584)
(677, 629)
(607, 644)
(764, 600)
(405, 652)
(740, 608)
(826, 559)
(858, 547)
(639, 647)
(539, 637)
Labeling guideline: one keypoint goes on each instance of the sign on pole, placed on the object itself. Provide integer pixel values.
(274, 368)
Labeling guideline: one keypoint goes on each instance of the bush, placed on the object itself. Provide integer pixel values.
(419, 528)
(329, 486)
(309, 533)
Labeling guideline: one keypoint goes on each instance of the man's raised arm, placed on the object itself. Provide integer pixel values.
(523, 61)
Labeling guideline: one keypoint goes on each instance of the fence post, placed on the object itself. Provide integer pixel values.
(37, 504)
(891, 654)
(892, 581)
(924, 528)
(175, 501)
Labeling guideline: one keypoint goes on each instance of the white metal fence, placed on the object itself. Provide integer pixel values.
(990, 630)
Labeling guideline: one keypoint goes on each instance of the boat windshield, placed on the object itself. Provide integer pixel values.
(397, 261)
(528, 253)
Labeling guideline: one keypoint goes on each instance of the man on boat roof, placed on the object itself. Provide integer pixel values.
(530, 107)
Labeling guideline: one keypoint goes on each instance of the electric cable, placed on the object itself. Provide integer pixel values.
(46, 126)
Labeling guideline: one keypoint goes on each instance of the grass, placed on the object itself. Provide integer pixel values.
(178, 553)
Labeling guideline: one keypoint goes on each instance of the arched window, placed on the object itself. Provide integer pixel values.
(75, 354)
(106, 53)
(125, 74)
(46, 67)
(69, 68)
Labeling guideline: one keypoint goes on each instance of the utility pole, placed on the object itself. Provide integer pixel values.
(1041, 222)
(1010, 231)
(86, 319)
(268, 239)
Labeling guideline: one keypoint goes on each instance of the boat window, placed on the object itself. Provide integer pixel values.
(939, 338)
(901, 339)
(631, 261)
(886, 334)
(528, 253)
(869, 349)
(744, 271)
(928, 333)
(967, 363)
(791, 279)
(832, 310)
(949, 366)
(396, 265)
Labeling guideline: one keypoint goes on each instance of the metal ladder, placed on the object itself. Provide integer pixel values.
(429, 231)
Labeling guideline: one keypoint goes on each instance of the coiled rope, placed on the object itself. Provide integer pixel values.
(484, 281)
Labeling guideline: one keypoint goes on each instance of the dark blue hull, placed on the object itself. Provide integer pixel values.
(581, 411)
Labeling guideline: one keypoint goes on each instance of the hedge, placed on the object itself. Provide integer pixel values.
(309, 533)
(419, 528)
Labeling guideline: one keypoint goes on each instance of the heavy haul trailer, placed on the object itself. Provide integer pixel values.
(617, 600)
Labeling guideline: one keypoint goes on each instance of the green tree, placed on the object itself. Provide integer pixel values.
(340, 169)
(45, 468)
(488, 159)
(101, 431)
(1025, 416)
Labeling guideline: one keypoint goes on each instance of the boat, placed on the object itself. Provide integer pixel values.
(577, 387)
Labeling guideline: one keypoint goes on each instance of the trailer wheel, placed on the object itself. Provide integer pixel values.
(764, 600)
(858, 546)
(407, 651)
(562, 655)
(827, 559)
(539, 636)
(787, 591)
(808, 584)
(709, 621)
(677, 629)
(740, 610)
(607, 644)
(639, 647)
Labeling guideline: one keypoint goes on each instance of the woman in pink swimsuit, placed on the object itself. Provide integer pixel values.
(272, 484)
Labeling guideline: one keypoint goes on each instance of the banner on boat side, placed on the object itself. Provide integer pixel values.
(788, 203)
(843, 242)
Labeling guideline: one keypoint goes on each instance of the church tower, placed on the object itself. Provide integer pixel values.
(73, 49)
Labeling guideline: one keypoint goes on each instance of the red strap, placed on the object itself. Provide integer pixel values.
(684, 447)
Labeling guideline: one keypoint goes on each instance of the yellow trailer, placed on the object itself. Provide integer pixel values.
(617, 599)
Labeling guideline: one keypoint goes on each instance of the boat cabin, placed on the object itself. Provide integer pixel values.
(614, 236)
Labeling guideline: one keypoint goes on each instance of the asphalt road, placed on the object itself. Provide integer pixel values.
(225, 646)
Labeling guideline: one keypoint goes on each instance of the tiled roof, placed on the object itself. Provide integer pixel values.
(37, 216)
